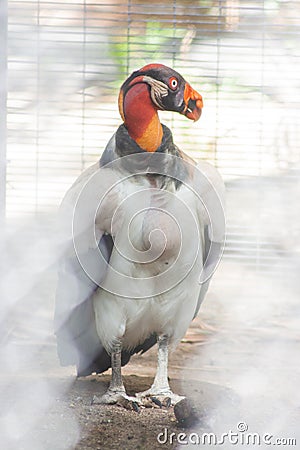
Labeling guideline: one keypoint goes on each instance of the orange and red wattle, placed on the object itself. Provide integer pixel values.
(141, 118)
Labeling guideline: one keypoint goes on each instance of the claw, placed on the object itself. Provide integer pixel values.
(168, 402)
(156, 401)
(130, 403)
(136, 407)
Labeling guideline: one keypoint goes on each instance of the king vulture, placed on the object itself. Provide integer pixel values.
(142, 233)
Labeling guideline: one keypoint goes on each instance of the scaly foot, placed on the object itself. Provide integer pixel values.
(118, 397)
(159, 397)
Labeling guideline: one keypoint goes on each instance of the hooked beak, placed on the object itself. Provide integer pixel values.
(193, 103)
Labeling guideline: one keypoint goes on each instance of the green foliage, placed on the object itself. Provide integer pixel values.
(139, 46)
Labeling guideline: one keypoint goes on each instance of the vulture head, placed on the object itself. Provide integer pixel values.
(155, 87)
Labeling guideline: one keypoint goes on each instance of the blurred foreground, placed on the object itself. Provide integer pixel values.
(246, 338)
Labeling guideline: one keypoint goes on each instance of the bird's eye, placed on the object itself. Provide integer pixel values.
(173, 83)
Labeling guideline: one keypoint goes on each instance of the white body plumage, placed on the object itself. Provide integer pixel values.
(135, 211)
(162, 219)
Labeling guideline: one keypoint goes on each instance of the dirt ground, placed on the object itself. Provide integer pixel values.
(113, 427)
(47, 407)
(231, 370)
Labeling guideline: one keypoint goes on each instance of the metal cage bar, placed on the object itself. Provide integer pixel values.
(3, 105)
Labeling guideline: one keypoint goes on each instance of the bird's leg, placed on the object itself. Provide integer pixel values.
(161, 383)
(160, 392)
(116, 391)
(116, 382)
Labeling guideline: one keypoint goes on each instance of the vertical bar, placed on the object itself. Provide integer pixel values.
(37, 117)
(129, 21)
(3, 105)
(83, 105)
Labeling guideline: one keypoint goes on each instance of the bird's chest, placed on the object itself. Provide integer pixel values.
(149, 231)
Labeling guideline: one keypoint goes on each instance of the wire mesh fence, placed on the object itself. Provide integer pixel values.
(67, 59)
(61, 65)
